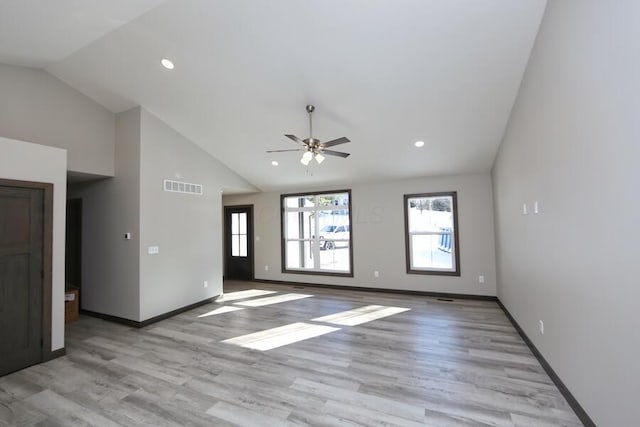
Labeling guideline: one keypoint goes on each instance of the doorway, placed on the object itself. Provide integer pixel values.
(26, 212)
(73, 244)
(238, 242)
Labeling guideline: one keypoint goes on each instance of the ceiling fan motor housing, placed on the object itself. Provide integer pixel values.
(312, 142)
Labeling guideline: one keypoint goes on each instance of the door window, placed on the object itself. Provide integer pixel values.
(239, 234)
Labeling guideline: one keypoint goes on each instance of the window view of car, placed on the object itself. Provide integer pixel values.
(332, 236)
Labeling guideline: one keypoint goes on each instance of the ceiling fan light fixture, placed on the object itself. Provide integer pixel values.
(319, 158)
(306, 158)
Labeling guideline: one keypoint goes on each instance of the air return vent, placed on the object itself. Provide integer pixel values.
(182, 187)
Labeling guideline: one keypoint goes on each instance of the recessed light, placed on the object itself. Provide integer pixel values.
(166, 63)
(274, 163)
(419, 144)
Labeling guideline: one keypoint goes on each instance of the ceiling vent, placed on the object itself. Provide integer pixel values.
(182, 187)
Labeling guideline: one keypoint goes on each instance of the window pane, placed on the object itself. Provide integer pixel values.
(243, 245)
(292, 224)
(431, 214)
(235, 226)
(330, 221)
(242, 219)
(339, 199)
(432, 251)
(299, 201)
(235, 246)
(299, 254)
(335, 257)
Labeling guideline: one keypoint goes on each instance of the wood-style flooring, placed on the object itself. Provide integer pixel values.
(397, 360)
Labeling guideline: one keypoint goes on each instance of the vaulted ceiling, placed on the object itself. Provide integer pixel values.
(384, 73)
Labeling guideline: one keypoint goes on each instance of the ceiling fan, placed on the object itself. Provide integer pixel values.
(312, 147)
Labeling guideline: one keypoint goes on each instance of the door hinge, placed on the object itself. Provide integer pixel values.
(41, 342)
(42, 274)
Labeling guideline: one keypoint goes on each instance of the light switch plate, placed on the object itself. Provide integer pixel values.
(152, 250)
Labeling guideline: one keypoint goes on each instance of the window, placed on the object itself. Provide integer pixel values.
(431, 233)
(239, 234)
(316, 233)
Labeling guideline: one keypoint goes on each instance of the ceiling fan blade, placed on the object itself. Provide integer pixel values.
(331, 143)
(282, 151)
(335, 153)
(294, 138)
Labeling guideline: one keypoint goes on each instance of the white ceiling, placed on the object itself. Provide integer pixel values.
(36, 33)
(384, 73)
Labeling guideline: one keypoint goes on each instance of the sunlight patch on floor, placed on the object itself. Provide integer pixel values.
(249, 293)
(272, 300)
(221, 310)
(360, 315)
(283, 335)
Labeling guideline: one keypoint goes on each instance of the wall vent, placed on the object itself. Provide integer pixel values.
(182, 187)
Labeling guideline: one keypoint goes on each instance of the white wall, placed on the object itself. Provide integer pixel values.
(32, 162)
(187, 228)
(110, 208)
(37, 107)
(572, 144)
(378, 236)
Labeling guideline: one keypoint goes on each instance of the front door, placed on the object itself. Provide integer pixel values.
(21, 277)
(238, 230)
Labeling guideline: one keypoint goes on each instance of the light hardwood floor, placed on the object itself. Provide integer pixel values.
(439, 363)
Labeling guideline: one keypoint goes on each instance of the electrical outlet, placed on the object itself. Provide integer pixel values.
(481, 279)
(376, 273)
(541, 327)
(206, 284)
(266, 268)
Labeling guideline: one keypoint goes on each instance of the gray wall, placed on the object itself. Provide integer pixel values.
(378, 236)
(187, 228)
(573, 145)
(119, 277)
(110, 208)
(37, 107)
(32, 162)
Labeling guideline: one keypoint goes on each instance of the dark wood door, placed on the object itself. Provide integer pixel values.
(238, 246)
(21, 277)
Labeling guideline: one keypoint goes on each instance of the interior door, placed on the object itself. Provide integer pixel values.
(21, 277)
(238, 231)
